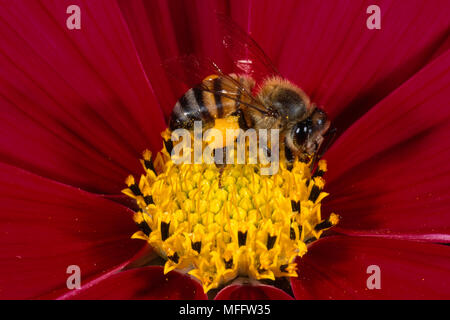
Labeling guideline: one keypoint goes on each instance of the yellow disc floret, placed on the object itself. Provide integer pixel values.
(218, 223)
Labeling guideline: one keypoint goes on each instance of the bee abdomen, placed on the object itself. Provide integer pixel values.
(200, 105)
(189, 108)
(186, 111)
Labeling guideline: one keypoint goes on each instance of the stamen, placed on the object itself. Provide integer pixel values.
(271, 242)
(295, 206)
(326, 224)
(228, 221)
(197, 246)
(228, 264)
(321, 169)
(135, 189)
(164, 230)
(242, 238)
(168, 144)
(175, 258)
(292, 235)
(315, 192)
(309, 240)
(148, 200)
(283, 268)
(145, 228)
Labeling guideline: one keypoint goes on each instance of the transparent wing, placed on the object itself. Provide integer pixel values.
(193, 71)
(188, 69)
(246, 54)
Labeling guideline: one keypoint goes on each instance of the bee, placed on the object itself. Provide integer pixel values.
(255, 92)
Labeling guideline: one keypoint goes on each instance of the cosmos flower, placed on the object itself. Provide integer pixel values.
(78, 108)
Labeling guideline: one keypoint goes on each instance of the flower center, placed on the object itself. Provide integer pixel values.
(219, 223)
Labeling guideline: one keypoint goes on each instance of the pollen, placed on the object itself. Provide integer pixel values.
(220, 223)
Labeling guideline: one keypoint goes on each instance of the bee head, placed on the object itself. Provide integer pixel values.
(306, 136)
(305, 124)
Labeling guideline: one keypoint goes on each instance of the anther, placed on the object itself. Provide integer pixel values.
(332, 220)
(309, 240)
(149, 165)
(319, 173)
(295, 206)
(292, 233)
(261, 270)
(242, 238)
(271, 241)
(228, 263)
(148, 200)
(135, 189)
(323, 225)
(164, 230)
(283, 267)
(175, 258)
(315, 192)
(169, 145)
(145, 228)
(197, 246)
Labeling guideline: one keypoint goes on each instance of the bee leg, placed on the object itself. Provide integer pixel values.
(329, 137)
(220, 164)
(266, 151)
(222, 168)
(289, 157)
(242, 122)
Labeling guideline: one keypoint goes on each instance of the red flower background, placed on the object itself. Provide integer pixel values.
(79, 106)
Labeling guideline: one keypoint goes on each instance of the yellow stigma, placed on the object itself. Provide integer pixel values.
(221, 223)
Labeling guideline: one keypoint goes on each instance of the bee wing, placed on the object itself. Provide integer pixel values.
(248, 57)
(194, 72)
(189, 69)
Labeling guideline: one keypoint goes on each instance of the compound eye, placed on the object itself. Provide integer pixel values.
(301, 132)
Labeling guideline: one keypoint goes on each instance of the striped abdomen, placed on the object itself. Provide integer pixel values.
(197, 104)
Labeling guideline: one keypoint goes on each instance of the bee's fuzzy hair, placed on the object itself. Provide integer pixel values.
(270, 83)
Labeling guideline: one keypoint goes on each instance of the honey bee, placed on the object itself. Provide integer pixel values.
(274, 103)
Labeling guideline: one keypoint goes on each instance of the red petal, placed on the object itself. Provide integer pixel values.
(416, 106)
(144, 283)
(400, 193)
(252, 292)
(389, 173)
(149, 33)
(46, 227)
(77, 106)
(336, 268)
(164, 30)
(328, 50)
